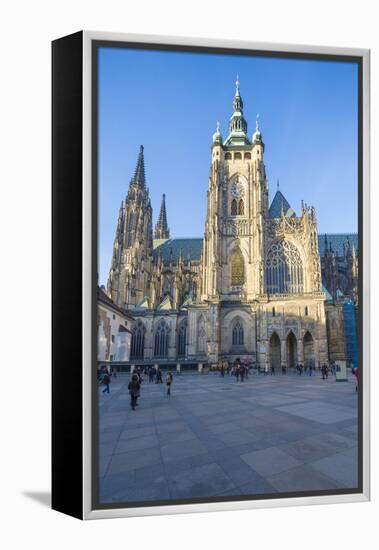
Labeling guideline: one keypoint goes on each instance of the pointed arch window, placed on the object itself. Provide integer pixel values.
(238, 334)
(233, 209)
(284, 269)
(161, 340)
(138, 341)
(182, 338)
(237, 268)
(241, 207)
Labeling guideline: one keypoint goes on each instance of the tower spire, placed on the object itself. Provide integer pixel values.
(237, 122)
(139, 174)
(161, 229)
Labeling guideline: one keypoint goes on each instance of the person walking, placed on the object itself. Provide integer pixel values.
(169, 381)
(323, 371)
(272, 370)
(153, 373)
(134, 388)
(106, 381)
(222, 370)
(159, 376)
(242, 372)
(266, 370)
(355, 371)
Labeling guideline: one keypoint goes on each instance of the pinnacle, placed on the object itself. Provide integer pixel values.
(139, 174)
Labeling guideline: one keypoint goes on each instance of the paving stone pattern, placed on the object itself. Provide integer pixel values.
(218, 437)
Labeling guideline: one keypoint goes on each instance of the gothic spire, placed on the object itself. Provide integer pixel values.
(139, 174)
(161, 229)
(237, 123)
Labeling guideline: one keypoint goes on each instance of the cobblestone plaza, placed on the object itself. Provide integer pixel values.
(219, 437)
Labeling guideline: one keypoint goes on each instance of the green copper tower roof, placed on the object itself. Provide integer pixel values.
(237, 124)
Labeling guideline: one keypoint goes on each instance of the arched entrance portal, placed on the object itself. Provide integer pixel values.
(275, 352)
(291, 351)
(309, 349)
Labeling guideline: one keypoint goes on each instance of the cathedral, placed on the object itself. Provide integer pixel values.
(261, 285)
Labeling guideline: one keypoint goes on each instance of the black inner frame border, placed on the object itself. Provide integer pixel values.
(95, 47)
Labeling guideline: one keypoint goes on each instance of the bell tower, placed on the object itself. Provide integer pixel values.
(233, 250)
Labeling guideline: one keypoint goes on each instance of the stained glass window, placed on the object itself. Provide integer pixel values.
(238, 268)
(284, 269)
(138, 341)
(238, 334)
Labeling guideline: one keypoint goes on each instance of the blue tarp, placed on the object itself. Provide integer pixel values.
(351, 337)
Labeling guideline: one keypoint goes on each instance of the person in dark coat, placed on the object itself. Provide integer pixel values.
(134, 390)
(106, 381)
(159, 376)
(169, 381)
(355, 372)
(324, 371)
(242, 372)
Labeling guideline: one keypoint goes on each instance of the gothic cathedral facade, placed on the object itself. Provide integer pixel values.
(252, 288)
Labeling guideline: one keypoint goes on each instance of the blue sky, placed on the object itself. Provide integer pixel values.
(170, 102)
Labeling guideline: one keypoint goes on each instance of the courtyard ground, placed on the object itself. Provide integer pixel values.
(217, 437)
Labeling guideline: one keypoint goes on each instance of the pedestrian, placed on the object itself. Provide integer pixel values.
(272, 370)
(169, 380)
(323, 371)
(356, 374)
(266, 370)
(106, 381)
(159, 376)
(134, 388)
(153, 373)
(242, 372)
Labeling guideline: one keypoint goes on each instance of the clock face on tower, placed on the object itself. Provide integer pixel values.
(237, 189)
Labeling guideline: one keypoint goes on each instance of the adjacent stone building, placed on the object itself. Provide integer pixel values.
(257, 286)
(113, 330)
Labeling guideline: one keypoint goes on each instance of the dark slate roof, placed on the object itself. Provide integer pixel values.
(163, 246)
(337, 241)
(279, 202)
(192, 246)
